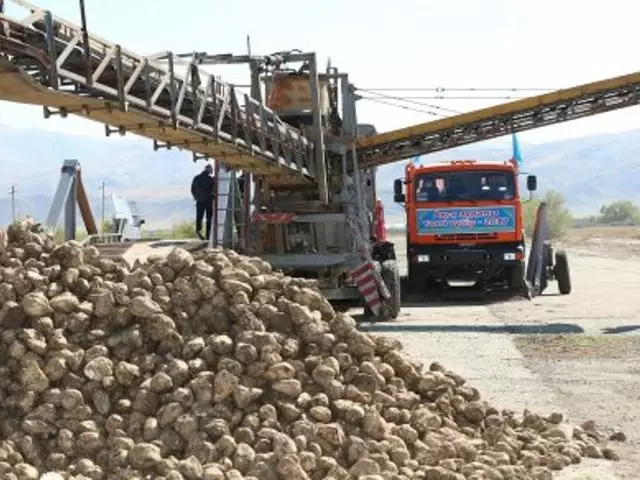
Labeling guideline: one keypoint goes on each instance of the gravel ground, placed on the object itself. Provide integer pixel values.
(575, 354)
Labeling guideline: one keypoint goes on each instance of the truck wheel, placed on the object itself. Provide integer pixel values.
(561, 272)
(391, 276)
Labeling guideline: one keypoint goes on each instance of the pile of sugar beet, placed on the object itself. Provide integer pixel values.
(213, 366)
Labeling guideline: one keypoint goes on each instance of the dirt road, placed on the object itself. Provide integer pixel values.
(577, 354)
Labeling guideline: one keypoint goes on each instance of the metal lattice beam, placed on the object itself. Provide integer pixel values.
(492, 122)
(43, 62)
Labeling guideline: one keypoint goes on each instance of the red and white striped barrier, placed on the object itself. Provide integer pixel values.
(364, 278)
(365, 254)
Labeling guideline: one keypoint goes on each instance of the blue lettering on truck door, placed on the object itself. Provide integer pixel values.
(442, 221)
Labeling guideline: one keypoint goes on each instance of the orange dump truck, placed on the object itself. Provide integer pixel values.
(464, 225)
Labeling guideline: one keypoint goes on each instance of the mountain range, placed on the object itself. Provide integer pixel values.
(160, 181)
(577, 168)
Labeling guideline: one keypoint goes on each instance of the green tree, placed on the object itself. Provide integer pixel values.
(558, 214)
(529, 209)
(624, 211)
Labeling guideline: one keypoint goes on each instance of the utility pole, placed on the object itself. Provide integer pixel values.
(12, 192)
(102, 189)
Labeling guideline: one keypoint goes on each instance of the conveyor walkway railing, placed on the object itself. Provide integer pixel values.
(43, 61)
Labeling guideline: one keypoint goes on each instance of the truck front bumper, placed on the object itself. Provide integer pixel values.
(451, 262)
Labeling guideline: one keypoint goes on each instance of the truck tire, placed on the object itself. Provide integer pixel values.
(561, 272)
(391, 276)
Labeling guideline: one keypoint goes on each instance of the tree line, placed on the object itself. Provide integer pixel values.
(623, 212)
(561, 220)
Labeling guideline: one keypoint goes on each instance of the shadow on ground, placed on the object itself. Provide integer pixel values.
(516, 329)
(620, 329)
(434, 301)
(457, 299)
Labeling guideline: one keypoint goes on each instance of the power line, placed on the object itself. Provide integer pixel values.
(458, 89)
(404, 107)
(461, 97)
(409, 100)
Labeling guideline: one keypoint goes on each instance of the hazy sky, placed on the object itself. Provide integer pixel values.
(400, 43)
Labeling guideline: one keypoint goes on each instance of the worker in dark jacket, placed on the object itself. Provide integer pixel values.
(203, 190)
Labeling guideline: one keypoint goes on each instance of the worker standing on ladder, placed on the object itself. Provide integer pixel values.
(203, 189)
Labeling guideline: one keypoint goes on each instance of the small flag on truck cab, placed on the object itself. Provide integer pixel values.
(516, 158)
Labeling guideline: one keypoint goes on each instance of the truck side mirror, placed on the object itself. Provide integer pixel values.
(532, 183)
(398, 194)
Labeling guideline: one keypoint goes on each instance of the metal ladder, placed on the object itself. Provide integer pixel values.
(229, 219)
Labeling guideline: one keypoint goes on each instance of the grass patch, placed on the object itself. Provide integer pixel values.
(577, 346)
(604, 232)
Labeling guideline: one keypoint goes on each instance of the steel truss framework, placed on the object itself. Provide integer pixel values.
(48, 61)
(526, 114)
(43, 62)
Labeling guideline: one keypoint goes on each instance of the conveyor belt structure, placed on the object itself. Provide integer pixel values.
(43, 62)
(516, 116)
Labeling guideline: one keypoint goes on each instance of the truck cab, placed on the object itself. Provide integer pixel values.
(464, 224)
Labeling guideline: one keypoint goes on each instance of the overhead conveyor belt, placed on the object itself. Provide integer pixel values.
(42, 62)
(548, 109)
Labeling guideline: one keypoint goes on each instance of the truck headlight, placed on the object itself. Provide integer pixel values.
(509, 256)
(424, 258)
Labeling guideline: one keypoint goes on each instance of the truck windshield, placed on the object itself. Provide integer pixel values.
(464, 185)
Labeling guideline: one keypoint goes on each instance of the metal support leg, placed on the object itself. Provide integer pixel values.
(211, 241)
(69, 193)
(362, 213)
(51, 50)
(321, 167)
(229, 233)
(120, 80)
(318, 137)
(536, 264)
(70, 212)
(63, 192)
(256, 94)
(246, 211)
(172, 92)
(85, 43)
